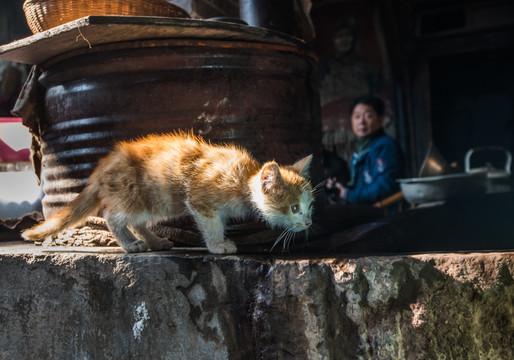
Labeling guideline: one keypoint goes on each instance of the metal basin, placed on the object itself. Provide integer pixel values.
(443, 187)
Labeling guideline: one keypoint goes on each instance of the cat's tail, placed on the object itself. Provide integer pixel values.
(84, 205)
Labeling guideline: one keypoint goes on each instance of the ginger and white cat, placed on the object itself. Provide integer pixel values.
(162, 176)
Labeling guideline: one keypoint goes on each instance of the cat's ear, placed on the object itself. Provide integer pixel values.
(271, 179)
(302, 166)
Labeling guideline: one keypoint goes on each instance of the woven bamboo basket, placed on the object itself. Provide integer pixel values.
(45, 14)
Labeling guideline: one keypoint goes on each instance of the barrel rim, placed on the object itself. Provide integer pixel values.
(91, 31)
(190, 43)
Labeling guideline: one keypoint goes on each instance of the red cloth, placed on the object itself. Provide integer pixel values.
(8, 154)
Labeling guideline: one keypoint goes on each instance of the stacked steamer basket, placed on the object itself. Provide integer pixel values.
(46, 14)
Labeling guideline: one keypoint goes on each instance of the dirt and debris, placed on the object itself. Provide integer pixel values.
(182, 231)
(93, 232)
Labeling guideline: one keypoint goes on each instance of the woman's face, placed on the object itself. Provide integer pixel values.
(343, 41)
(365, 120)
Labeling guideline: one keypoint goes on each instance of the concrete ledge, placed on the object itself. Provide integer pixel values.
(104, 304)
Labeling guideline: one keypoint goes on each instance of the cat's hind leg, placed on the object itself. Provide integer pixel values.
(153, 241)
(212, 229)
(118, 225)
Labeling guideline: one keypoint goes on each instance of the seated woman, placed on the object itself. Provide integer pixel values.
(378, 160)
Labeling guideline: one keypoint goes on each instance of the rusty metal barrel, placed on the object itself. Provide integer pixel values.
(260, 95)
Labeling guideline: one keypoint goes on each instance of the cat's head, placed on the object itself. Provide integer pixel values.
(284, 195)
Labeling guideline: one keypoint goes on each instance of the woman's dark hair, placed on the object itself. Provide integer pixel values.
(375, 102)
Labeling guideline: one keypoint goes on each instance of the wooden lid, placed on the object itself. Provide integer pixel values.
(96, 30)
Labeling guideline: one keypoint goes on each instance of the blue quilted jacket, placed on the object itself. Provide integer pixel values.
(374, 171)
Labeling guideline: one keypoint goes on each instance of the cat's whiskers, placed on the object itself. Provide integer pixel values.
(283, 236)
(289, 235)
(280, 237)
(319, 187)
(287, 241)
(320, 184)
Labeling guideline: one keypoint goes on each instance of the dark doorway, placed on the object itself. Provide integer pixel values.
(473, 102)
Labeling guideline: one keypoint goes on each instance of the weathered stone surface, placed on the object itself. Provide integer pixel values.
(104, 304)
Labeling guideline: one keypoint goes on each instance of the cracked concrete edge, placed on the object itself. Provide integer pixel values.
(103, 302)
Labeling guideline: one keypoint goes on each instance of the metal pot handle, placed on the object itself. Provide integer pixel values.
(508, 157)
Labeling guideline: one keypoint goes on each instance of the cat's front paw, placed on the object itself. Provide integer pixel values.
(222, 247)
(136, 246)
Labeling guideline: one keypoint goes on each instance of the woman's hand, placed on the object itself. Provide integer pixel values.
(335, 188)
(341, 188)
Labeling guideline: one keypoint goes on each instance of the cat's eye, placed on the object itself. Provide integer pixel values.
(295, 209)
